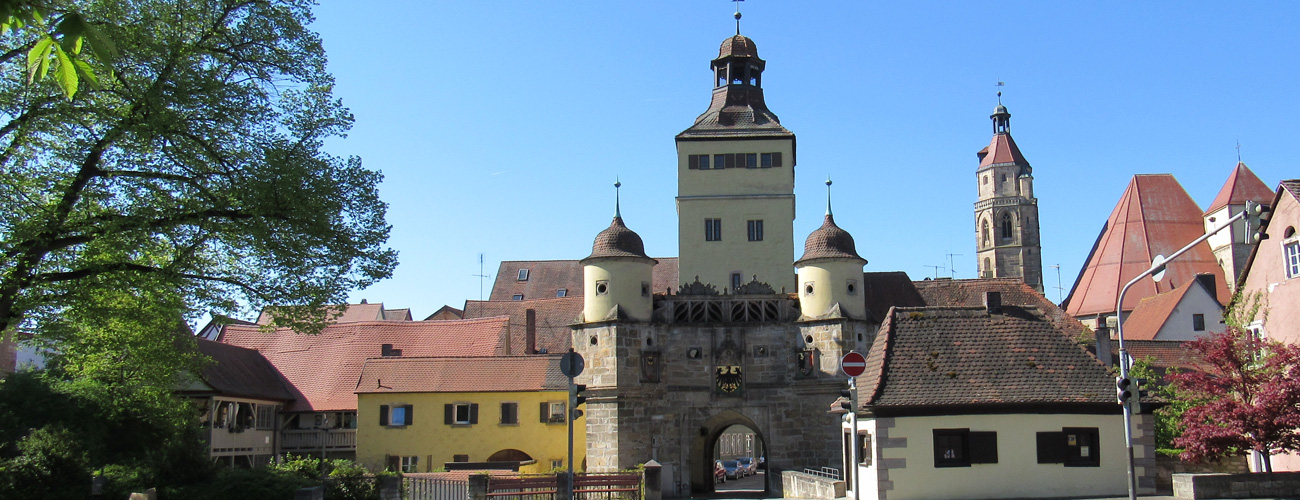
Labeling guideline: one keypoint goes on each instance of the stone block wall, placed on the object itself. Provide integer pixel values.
(1261, 485)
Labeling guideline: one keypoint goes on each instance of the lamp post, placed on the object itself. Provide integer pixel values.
(1157, 267)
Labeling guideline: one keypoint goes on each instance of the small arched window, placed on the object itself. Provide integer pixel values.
(984, 233)
(1006, 225)
(988, 268)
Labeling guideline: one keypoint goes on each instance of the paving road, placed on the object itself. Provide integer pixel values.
(751, 484)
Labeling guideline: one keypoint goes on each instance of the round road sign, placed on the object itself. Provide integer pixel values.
(853, 364)
(571, 364)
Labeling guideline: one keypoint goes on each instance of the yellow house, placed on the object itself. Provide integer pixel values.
(427, 414)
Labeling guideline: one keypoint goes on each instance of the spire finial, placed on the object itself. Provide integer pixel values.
(737, 2)
(828, 195)
(1000, 85)
(1238, 150)
(617, 213)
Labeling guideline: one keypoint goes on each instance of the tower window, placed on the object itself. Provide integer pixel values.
(602, 287)
(645, 289)
(712, 229)
(700, 162)
(808, 288)
(735, 281)
(755, 230)
(1006, 225)
(751, 160)
(986, 180)
(765, 160)
(852, 287)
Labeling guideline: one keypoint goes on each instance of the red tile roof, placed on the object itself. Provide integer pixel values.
(236, 371)
(553, 319)
(1014, 292)
(324, 368)
(486, 374)
(1155, 216)
(883, 290)
(942, 359)
(1164, 354)
(1152, 312)
(1002, 149)
(352, 313)
(547, 276)
(446, 312)
(1242, 185)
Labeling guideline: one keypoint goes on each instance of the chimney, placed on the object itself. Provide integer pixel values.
(530, 332)
(993, 302)
(1207, 281)
(1102, 344)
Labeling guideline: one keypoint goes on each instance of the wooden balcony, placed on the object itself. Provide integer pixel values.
(319, 439)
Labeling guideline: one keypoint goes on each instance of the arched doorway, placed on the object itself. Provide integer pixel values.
(729, 435)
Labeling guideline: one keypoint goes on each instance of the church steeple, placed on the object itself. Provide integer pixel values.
(1006, 213)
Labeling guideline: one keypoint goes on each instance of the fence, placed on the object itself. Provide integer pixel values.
(830, 472)
(429, 488)
(550, 487)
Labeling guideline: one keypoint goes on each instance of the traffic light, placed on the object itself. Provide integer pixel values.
(1139, 391)
(1257, 215)
(850, 399)
(1123, 390)
(576, 397)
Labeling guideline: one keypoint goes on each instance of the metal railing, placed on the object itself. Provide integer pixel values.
(830, 472)
(430, 488)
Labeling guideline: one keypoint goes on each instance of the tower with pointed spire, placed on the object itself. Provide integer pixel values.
(617, 274)
(1230, 249)
(1006, 213)
(735, 172)
(830, 272)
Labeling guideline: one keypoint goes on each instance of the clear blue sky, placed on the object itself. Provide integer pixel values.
(501, 126)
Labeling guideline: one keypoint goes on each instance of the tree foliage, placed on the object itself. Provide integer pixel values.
(194, 175)
(1245, 397)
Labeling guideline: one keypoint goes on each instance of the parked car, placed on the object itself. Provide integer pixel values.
(733, 469)
(719, 472)
(749, 465)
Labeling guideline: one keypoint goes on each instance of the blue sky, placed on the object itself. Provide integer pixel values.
(501, 126)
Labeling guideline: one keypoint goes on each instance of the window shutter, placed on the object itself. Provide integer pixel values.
(448, 414)
(383, 414)
(410, 414)
(983, 447)
(428, 463)
(473, 413)
(776, 159)
(693, 162)
(388, 462)
(545, 409)
(1051, 447)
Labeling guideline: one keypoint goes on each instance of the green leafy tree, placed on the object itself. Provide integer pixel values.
(57, 44)
(196, 171)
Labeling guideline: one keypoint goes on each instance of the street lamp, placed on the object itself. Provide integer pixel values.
(1255, 212)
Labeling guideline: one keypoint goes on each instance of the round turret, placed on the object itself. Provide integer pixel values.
(830, 273)
(617, 276)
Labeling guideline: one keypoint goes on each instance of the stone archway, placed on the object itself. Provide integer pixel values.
(703, 448)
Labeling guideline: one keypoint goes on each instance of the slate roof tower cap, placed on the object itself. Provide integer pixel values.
(829, 242)
(617, 240)
(738, 46)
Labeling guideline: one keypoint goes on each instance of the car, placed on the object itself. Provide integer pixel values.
(749, 465)
(734, 471)
(719, 472)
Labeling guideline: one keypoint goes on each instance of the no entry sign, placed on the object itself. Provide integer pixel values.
(853, 364)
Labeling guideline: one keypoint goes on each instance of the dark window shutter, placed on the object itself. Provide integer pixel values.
(693, 162)
(545, 409)
(776, 159)
(389, 462)
(473, 413)
(410, 414)
(983, 448)
(731, 161)
(383, 414)
(448, 414)
(1051, 447)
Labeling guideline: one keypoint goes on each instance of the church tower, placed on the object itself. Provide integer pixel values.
(1006, 215)
(735, 181)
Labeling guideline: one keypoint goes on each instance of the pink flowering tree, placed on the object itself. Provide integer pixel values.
(1245, 396)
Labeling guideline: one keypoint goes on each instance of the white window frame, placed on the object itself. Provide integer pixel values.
(557, 418)
(455, 414)
(393, 412)
(1291, 257)
(411, 464)
(523, 274)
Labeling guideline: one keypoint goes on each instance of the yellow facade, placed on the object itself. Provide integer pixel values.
(434, 442)
(736, 196)
(832, 281)
(617, 281)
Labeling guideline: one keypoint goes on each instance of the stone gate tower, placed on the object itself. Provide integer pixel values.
(735, 181)
(1006, 215)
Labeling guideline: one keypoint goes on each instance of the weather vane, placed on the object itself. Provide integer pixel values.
(1000, 85)
(737, 2)
(1238, 150)
(617, 212)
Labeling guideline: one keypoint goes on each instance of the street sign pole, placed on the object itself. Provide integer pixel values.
(853, 364)
(571, 365)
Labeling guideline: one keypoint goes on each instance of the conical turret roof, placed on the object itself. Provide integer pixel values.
(829, 242)
(1242, 185)
(618, 241)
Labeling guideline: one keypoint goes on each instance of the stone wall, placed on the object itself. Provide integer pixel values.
(1167, 466)
(1261, 485)
(800, 485)
(653, 393)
